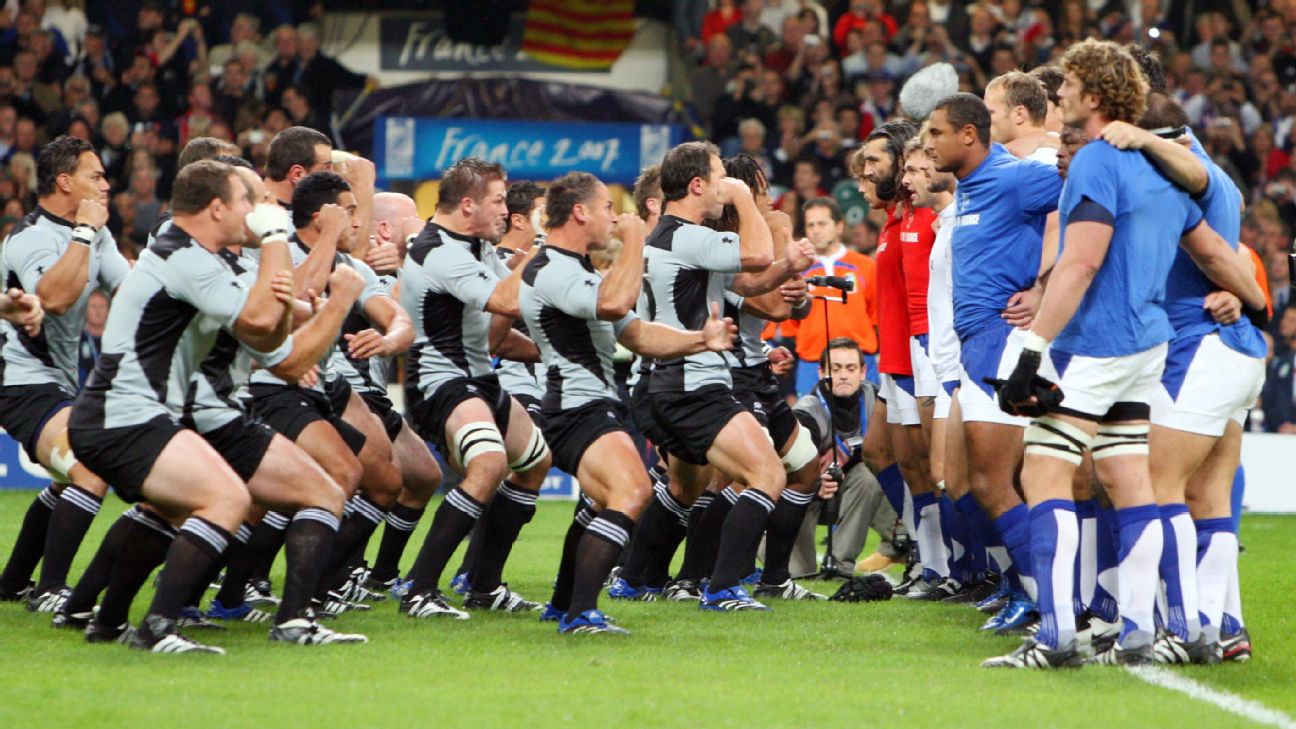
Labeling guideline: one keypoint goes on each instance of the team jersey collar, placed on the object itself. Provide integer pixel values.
(45, 213)
(584, 260)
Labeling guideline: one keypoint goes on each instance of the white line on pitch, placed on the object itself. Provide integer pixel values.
(1232, 703)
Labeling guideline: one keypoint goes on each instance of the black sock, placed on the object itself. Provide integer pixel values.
(266, 538)
(780, 534)
(512, 507)
(401, 522)
(704, 540)
(236, 547)
(604, 538)
(274, 523)
(95, 578)
(476, 539)
(308, 541)
(358, 525)
(196, 547)
(652, 534)
(30, 547)
(740, 538)
(68, 524)
(658, 572)
(562, 591)
(453, 521)
(144, 550)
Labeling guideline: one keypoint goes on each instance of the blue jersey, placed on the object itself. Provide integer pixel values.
(1187, 286)
(998, 234)
(1122, 312)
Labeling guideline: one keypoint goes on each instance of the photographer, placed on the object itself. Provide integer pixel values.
(844, 409)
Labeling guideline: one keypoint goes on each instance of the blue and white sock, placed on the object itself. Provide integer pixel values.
(931, 544)
(1239, 490)
(1014, 530)
(1054, 540)
(1086, 555)
(1179, 572)
(978, 532)
(1141, 541)
(954, 530)
(1104, 605)
(893, 488)
(1217, 550)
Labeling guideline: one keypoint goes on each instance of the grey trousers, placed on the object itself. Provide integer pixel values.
(863, 506)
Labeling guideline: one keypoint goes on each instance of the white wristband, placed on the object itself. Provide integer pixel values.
(1035, 342)
(84, 234)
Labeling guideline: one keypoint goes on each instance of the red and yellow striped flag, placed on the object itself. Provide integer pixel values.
(584, 34)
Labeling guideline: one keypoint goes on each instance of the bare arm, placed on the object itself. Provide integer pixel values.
(1222, 265)
(504, 300)
(61, 286)
(1087, 245)
(755, 244)
(314, 338)
(313, 272)
(1175, 160)
(397, 330)
(518, 347)
(620, 288)
(259, 321)
(659, 341)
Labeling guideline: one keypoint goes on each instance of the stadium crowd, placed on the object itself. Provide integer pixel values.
(1082, 495)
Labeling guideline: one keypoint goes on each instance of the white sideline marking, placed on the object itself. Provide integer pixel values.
(1232, 703)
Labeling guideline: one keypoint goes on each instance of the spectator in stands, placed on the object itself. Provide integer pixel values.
(96, 63)
(862, 13)
(246, 27)
(43, 96)
(75, 90)
(719, 19)
(807, 181)
(751, 39)
(284, 70)
(115, 131)
(92, 335)
(68, 22)
(792, 43)
(751, 141)
(298, 103)
(26, 138)
(8, 130)
(1278, 398)
(710, 80)
(322, 76)
(234, 92)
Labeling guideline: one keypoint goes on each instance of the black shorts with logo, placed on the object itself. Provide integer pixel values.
(25, 409)
(641, 412)
(121, 456)
(758, 391)
(382, 406)
(288, 409)
(243, 443)
(571, 432)
(690, 421)
(429, 415)
(533, 408)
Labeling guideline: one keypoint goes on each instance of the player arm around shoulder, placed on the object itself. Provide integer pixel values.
(1223, 266)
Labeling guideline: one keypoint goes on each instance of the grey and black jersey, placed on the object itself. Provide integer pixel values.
(160, 226)
(750, 348)
(163, 323)
(211, 400)
(446, 282)
(559, 302)
(364, 375)
(685, 266)
(34, 246)
(332, 360)
(518, 378)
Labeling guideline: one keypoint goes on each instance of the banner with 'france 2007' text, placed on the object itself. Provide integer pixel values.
(421, 148)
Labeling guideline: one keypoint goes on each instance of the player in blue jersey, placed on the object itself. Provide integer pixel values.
(996, 245)
(1121, 221)
(1214, 372)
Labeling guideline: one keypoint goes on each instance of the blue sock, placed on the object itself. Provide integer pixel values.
(977, 528)
(1104, 605)
(926, 546)
(893, 487)
(1216, 563)
(1014, 530)
(1084, 512)
(954, 532)
(1175, 522)
(1054, 540)
(1141, 542)
(1239, 489)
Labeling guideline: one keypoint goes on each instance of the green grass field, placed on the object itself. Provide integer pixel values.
(802, 664)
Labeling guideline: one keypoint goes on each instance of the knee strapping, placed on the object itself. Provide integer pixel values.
(476, 439)
(802, 451)
(535, 452)
(1055, 438)
(1121, 440)
(62, 460)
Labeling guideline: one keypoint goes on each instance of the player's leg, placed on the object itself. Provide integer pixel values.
(477, 451)
(143, 549)
(29, 546)
(660, 529)
(421, 476)
(800, 459)
(1209, 501)
(1174, 455)
(514, 506)
(77, 610)
(706, 521)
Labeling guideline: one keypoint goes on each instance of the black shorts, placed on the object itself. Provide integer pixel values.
(122, 456)
(243, 443)
(641, 413)
(288, 409)
(758, 391)
(571, 432)
(339, 394)
(25, 409)
(381, 406)
(533, 408)
(692, 420)
(429, 416)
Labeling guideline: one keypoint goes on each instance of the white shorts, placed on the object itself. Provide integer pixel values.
(1205, 384)
(926, 383)
(902, 406)
(992, 353)
(943, 400)
(1091, 386)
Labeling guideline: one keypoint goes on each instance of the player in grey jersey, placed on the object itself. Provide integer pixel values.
(577, 317)
(60, 252)
(125, 423)
(463, 301)
(692, 397)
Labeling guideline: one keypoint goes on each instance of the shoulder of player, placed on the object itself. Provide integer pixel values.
(37, 228)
